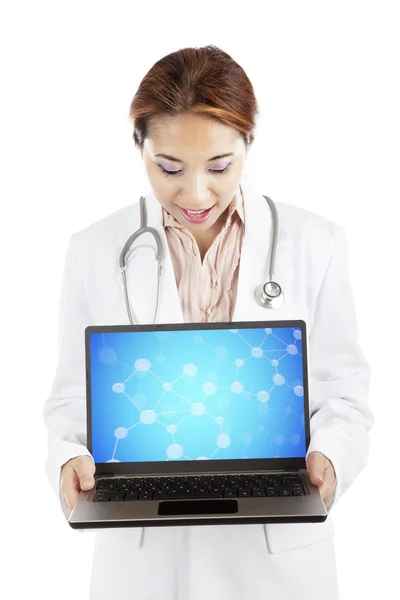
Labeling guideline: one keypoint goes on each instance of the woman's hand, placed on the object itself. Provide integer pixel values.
(76, 475)
(322, 474)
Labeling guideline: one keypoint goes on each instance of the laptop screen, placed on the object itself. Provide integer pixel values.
(185, 395)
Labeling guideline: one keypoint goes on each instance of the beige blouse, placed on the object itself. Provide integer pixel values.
(207, 290)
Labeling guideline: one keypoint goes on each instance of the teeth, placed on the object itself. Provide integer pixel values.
(196, 212)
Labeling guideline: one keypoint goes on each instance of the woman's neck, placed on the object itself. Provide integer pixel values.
(205, 239)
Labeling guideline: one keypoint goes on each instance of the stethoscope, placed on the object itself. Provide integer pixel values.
(269, 295)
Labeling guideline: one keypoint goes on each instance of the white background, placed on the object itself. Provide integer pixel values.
(326, 76)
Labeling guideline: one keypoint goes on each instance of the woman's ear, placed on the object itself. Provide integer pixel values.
(248, 147)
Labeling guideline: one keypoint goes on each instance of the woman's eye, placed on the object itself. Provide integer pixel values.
(219, 170)
(216, 171)
(168, 172)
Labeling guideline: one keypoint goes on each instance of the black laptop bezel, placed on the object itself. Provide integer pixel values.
(199, 466)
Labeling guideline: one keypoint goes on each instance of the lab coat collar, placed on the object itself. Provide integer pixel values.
(253, 269)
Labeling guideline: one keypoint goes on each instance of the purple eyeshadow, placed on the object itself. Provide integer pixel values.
(168, 168)
(220, 167)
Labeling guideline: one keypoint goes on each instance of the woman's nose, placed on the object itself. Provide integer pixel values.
(196, 193)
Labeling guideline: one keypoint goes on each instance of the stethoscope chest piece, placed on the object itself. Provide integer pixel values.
(270, 295)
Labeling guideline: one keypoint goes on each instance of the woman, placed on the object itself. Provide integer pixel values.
(194, 117)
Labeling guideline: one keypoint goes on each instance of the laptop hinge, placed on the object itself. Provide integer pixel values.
(105, 474)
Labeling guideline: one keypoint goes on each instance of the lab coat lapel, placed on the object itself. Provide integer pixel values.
(255, 257)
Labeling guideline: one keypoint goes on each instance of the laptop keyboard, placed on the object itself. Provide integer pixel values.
(201, 486)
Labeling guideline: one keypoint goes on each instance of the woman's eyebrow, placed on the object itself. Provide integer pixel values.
(181, 161)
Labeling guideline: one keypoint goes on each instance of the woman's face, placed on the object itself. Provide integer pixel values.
(200, 186)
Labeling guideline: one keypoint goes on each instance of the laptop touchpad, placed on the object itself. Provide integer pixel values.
(197, 507)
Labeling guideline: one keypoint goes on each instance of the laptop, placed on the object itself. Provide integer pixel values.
(198, 424)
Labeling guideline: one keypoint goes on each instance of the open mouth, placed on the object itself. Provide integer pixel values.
(196, 216)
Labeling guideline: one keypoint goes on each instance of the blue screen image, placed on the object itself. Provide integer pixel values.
(210, 394)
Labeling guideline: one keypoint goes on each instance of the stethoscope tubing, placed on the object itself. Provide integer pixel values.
(269, 295)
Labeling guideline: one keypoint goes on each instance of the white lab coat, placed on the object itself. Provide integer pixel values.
(228, 562)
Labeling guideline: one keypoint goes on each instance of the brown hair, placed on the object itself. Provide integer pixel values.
(206, 81)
